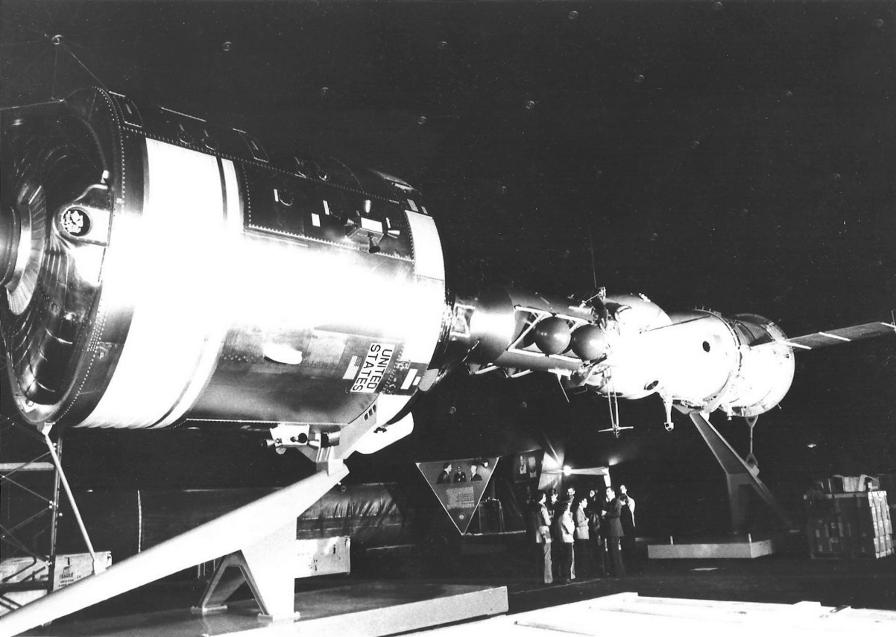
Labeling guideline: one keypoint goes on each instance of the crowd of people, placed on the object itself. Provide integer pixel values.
(592, 533)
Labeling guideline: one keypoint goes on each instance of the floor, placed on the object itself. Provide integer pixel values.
(787, 579)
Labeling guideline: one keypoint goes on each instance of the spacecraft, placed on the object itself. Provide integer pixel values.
(157, 269)
(626, 346)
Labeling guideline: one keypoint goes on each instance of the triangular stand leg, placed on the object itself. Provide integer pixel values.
(265, 567)
(223, 584)
(741, 477)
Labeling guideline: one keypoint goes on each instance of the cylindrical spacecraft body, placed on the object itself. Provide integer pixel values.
(634, 364)
(740, 364)
(767, 366)
(160, 268)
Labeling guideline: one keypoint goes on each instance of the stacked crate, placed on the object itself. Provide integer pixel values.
(850, 525)
(883, 526)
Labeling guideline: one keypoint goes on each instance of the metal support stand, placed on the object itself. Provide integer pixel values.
(55, 451)
(741, 476)
(243, 530)
(751, 459)
(251, 539)
(29, 530)
(261, 566)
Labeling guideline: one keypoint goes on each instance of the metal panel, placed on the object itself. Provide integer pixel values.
(842, 335)
(165, 264)
(427, 246)
(218, 321)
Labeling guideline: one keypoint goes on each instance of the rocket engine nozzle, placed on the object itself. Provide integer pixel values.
(10, 238)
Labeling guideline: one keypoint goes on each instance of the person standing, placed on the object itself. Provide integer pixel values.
(582, 546)
(445, 476)
(613, 533)
(542, 524)
(627, 518)
(554, 511)
(564, 531)
(599, 546)
(571, 498)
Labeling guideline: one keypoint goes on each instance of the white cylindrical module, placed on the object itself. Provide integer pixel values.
(182, 273)
(766, 370)
(702, 360)
(700, 355)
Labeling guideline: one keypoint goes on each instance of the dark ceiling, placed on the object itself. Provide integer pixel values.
(733, 155)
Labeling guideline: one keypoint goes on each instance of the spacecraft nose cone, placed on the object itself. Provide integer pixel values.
(9, 242)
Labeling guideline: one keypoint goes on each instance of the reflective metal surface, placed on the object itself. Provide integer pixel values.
(50, 160)
(626, 346)
(159, 268)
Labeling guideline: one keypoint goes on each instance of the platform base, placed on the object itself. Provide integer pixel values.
(727, 549)
(366, 609)
(630, 614)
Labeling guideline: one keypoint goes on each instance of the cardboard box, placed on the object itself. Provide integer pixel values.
(69, 569)
(73, 567)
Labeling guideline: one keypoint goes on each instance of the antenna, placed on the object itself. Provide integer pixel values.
(591, 249)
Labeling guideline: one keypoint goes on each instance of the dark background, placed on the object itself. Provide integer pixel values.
(736, 156)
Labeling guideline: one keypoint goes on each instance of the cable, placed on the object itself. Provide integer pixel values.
(55, 68)
(32, 104)
(68, 50)
(22, 43)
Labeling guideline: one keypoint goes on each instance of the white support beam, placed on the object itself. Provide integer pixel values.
(238, 530)
(738, 474)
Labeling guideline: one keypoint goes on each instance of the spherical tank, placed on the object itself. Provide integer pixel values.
(156, 268)
(552, 335)
(589, 342)
(512, 328)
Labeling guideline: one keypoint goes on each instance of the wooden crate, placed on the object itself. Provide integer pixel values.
(850, 525)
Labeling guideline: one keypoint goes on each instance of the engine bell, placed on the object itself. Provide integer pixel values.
(9, 243)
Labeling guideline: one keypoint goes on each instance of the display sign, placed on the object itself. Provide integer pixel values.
(527, 466)
(525, 471)
(459, 485)
(373, 369)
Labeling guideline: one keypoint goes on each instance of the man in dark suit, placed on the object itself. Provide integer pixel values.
(611, 527)
(595, 513)
(474, 473)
